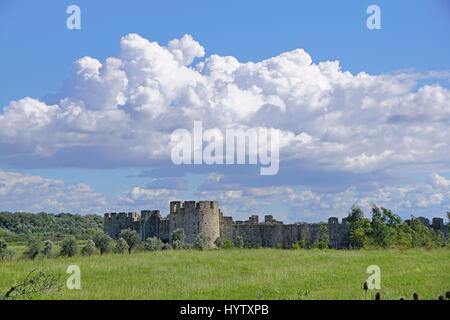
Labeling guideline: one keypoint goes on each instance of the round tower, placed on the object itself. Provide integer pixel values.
(208, 218)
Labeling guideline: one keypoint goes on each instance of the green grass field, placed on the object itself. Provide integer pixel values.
(245, 274)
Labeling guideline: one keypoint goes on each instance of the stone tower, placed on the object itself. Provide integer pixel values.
(194, 218)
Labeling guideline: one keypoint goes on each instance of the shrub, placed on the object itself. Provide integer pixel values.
(69, 247)
(219, 243)
(239, 242)
(121, 246)
(34, 247)
(47, 250)
(153, 244)
(178, 237)
(3, 247)
(278, 246)
(296, 245)
(178, 234)
(103, 242)
(88, 248)
(131, 237)
(200, 241)
(322, 245)
(176, 244)
(9, 254)
(166, 246)
(228, 244)
(34, 284)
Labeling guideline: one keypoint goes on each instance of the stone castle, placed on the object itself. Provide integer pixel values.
(205, 216)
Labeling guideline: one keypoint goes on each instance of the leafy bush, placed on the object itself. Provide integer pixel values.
(178, 237)
(47, 250)
(5, 252)
(69, 247)
(121, 246)
(319, 245)
(131, 237)
(228, 244)
(176, 244)
(9, 254)
(89, 248)
(200, 241)
(153, 244)
(103, 242)
(33, 248)
(239, 242)
(33, 284)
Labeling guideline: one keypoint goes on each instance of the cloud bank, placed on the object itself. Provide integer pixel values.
(365, 130)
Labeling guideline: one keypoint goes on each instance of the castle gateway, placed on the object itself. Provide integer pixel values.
(205, 216)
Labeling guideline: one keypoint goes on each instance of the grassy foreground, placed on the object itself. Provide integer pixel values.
(245, 274)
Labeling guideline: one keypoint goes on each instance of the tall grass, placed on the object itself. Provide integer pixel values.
(245, 274)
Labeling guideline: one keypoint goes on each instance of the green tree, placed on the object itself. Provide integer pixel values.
(89, 248)
(153, 244)
(403, 236)
(360, 231)
(355, 215)
(228, 244)
(47, 250)
(69, 247)
(103, 242)
(421, 235)
(200, 241)
(131, 237)
(33, 248)
(324, 237)
(121, 246)
(239, 242)
(178, 237)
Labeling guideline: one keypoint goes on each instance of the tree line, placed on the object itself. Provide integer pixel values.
(19, 225)
(388, 230)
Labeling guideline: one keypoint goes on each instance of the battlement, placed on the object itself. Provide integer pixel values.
(207, 205)
(178, 206)
(145, 214)
(207, 218)
(131, 216)
(334, 220)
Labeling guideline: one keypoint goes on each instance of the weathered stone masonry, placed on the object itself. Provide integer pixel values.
(205, 216)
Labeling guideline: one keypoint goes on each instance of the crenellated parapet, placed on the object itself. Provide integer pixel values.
(114, 222)
(206, 217)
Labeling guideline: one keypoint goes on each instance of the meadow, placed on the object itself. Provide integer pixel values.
(244, 274)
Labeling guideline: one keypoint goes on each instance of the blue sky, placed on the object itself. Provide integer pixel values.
(37, 56)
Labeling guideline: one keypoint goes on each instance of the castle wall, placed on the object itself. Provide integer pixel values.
(205, 216)
(226, 227)
(273, 234)
(115, 222)
(338, 233)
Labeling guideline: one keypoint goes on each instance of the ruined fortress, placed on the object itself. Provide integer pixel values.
(205, 216)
